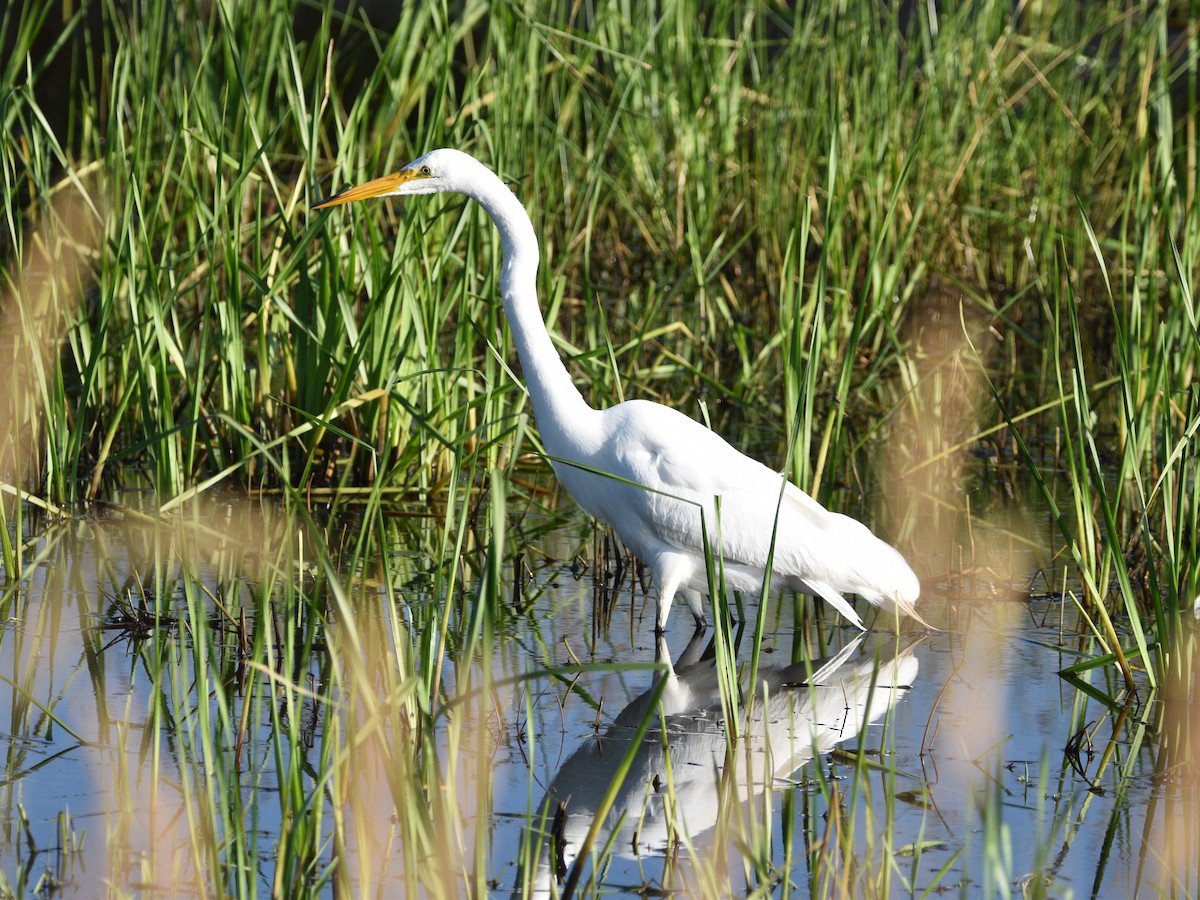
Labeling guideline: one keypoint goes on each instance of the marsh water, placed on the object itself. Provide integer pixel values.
(958, 760)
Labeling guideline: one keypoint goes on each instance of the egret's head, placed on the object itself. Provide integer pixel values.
(433, 173)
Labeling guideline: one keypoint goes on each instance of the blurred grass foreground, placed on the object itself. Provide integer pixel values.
(936, 261)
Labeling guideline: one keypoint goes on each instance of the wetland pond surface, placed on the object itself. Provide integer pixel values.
(884, 764)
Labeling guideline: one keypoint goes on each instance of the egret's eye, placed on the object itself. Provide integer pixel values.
(426, 171)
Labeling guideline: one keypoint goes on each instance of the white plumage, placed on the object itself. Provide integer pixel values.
(661, 468)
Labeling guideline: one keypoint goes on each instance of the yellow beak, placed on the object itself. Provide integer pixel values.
(379, 187)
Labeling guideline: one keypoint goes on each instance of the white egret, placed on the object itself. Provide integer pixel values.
(661, 468)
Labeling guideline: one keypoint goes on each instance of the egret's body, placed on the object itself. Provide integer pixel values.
(661, 468)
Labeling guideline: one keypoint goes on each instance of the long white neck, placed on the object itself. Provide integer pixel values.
(563, 417)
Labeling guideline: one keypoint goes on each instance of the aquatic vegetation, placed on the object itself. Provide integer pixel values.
(287, 587)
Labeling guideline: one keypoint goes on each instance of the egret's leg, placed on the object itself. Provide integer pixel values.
(666, 594)
(695, 602)
(667, 581)
(671, 570)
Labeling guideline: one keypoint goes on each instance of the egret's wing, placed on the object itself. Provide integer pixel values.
(831, 596)
(669, 472)
(687, 466)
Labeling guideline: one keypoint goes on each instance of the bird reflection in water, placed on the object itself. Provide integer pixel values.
(812, 706)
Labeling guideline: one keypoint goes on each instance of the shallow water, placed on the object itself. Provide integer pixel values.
(968, 784)
(981, 717)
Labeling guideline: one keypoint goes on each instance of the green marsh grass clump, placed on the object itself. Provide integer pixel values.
(872, 243)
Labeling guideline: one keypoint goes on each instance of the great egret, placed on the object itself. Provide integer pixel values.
(650, 471)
